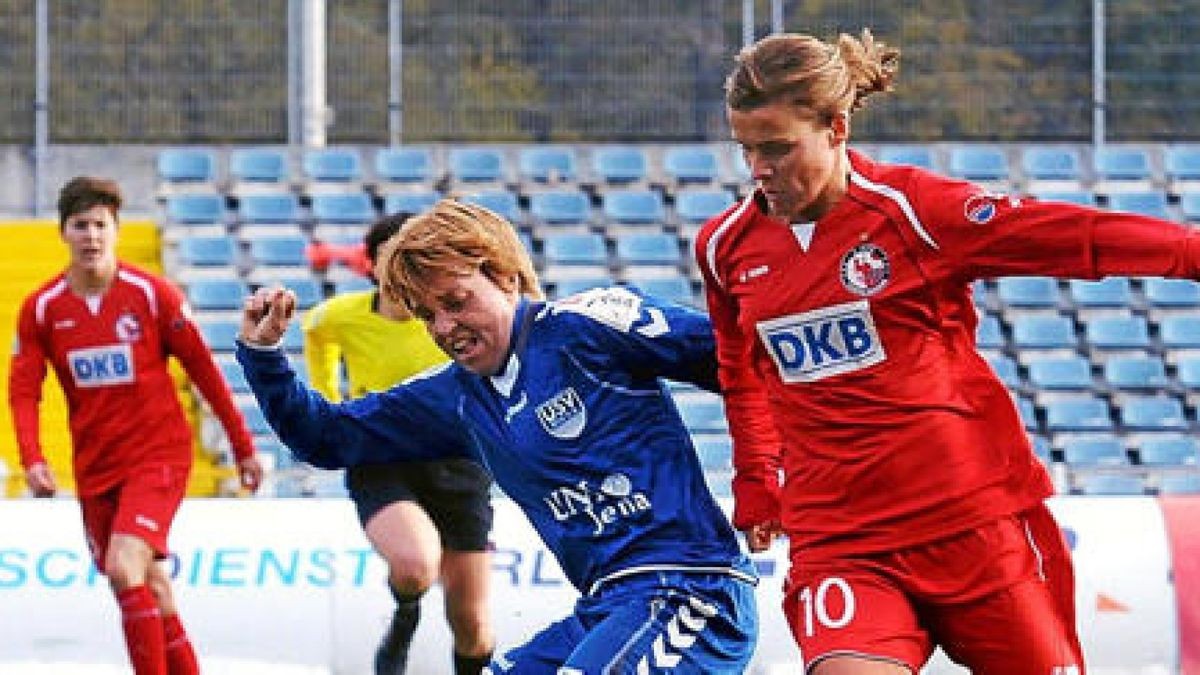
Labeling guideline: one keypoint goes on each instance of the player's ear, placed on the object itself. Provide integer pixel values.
(839, 128)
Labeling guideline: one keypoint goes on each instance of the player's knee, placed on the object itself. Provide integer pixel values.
(411, 577)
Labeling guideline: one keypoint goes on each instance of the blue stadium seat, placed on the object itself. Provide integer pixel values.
(1189, 206)
(715, 451)
(1187, 367)
(1145, 203)
(1092, 451)
(405, 164)
(547, 164)
(258, 165)
(217, 294)
(1179, 484)
(1049, 163)
(1114, 163)
(1043, 332)
(186, 166)
(1027, 411)
(1117, 332)
(1169, 450)
(293, 337)
(192, 209)
(565, 287)
(633, 206)
(307, 289)
(673, 289)
(202, 251)
(703, 415)
(410, 202)
(574, 248)
(282, 251)
(502, 202)
(1181, 163)
(648, 248)
(989, 334)
(352, 285)
(476, 165)
(698, 205)
(1084, 412)
(1180, 332)
(560, 207)
(617, 164)
(234, 376)
(1108, 292)
(911, 155)
(979, 163)
(266, 209)
(1061, 373)
(349, 207)
(1080, 197)
(332, 165)
(1168, 293)
(1140, 371)
(1028, 292)
(220, 334)
(691, 164)
(1157, 412)
(1006, 369)
(1041, 449)
(1104, 484)
(255, 420)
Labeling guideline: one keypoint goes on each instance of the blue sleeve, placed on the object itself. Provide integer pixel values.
(415, 420)
(644, 336)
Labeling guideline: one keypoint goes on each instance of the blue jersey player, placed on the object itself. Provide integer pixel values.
(561, 402)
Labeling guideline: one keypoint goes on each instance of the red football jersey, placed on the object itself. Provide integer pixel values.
(110, 354)
(847, 350)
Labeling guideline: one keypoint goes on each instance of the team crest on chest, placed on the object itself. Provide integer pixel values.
(128, 328)
(865, 269)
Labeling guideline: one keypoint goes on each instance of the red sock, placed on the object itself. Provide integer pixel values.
(181, 658)
(142, 622)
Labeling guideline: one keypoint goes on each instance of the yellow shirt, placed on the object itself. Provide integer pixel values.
(378, 352)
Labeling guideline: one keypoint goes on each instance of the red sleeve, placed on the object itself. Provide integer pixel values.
(756, 444)
(26, 374)
(183, 339)
(983, 235)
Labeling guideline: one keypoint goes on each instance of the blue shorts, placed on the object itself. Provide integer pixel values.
(677, 622)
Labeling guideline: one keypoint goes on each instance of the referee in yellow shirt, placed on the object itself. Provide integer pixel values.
(425, 519)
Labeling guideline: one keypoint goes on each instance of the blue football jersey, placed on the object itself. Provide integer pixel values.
(578, 430)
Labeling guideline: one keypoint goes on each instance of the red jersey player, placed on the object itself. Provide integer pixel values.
(840, 295)
(107, 329)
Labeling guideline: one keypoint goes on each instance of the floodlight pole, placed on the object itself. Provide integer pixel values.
(41, 96)
(395, 71)
(1099, 94)
(747, 23)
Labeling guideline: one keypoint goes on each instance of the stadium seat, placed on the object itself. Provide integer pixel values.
(1180, 331)
(911, 155)
(1093, 451)
(616, 165)
(349, 207)
(1171, 293)
(476, 165)
(690, 164)
(293, 337)
(1117, 332)
(410, 202)
(1043, 332)
(1028, 292)
(1006, 369)
(234, 376)
(217, 294)
(648, 248)
(502, 202)
(989, 334)
(1157, 412)
(675, 289)
(703, 415)
(565, 287)
(1061, 373)
(696, 206)
(282, 251)
(206, 251)
(1080, 197)
(197, 208)
(267, 209)
(1049, 163)
(255, 420)
(1027, 411)
(982, 163)
(1083, 412)
(560, 207)
(1102, 484)
(1140, 371)
(220, 334)
(352, 285)
(1144, 203)
(1113, 163)
(1109, 292)
(1181, 165)
(1189, 205)
(186, 167)
(405, 165)
(257, 166)
(715, 451)
(1170, 450)
(574, 248)
(332, 165)
(1041, 449)
(544, 164)
(633, 206)
(1179, 484)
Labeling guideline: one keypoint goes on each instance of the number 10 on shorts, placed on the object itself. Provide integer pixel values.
(816, 605)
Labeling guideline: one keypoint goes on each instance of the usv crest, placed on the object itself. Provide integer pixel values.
(865, 269)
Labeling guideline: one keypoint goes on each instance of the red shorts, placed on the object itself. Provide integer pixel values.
(998, 600)
(143, 506)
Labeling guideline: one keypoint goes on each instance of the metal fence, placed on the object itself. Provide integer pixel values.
(218, 71)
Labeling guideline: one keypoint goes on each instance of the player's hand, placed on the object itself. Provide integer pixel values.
(40, 479)
(759, 537)
(265, 316)
(250, 473)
